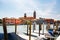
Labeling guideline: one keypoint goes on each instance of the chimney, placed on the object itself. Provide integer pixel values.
(34, 14)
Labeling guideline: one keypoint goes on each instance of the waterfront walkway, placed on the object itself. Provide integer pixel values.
(11, 36)
(21, 36)
(25, 36)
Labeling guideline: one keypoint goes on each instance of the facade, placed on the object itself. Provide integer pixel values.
(12, 21)
(57, 22)
(20, 20)
(44, 20)
(23, 19)
(29, 18)
(51, 21)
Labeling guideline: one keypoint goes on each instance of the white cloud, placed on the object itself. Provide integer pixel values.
(57, 17)
(28, 6)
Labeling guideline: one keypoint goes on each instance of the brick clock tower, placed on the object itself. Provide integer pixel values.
(34, 14)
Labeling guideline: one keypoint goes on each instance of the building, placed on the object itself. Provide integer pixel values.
(0, 21)
(29, 18)
(34, 14)
(12, 21)
(51, 21)
(20, 20)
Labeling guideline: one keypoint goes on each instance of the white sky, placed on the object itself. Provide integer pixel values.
(17, 8)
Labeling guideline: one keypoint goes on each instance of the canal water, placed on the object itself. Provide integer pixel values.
(20, 28)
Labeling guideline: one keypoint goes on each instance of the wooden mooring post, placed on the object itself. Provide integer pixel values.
(15, 27)
(43, 28)
(53, 26)
(39, 28)
(48, 26)
(30, 31)
(34, 25)
(5, 29)
(27, 28)
(57, 26)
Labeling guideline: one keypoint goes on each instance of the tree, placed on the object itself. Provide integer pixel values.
(0, 21)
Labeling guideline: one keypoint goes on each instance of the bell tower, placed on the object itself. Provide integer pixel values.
(34, 14)
(25, 15)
